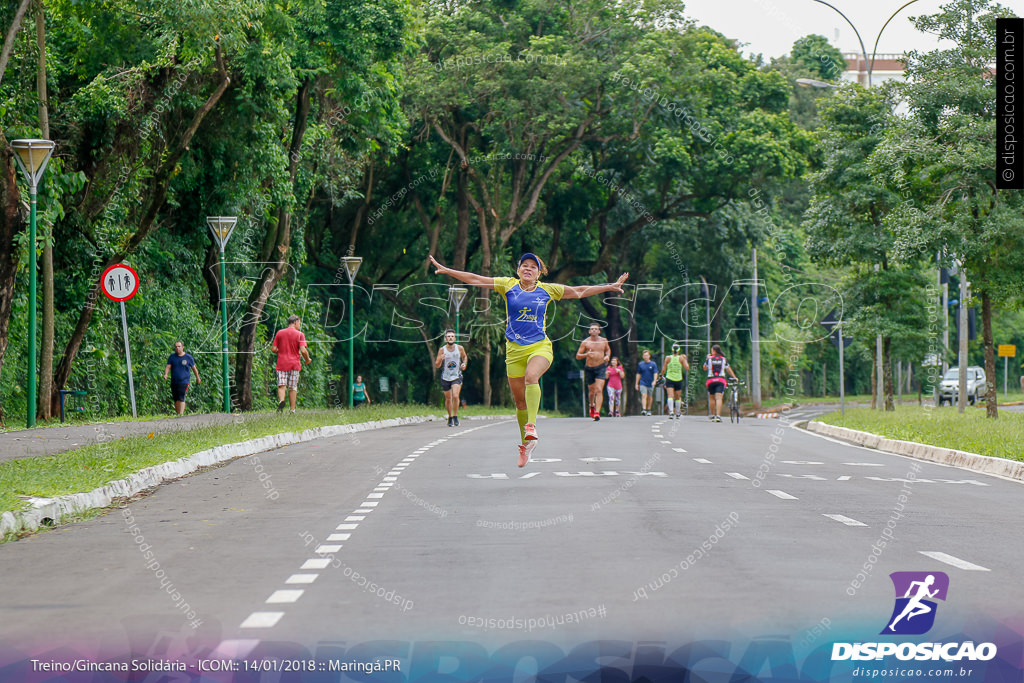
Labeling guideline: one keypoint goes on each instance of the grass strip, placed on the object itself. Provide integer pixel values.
(943, 427)
(90, 467)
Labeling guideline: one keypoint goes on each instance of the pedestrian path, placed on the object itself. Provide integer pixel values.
(45, 441)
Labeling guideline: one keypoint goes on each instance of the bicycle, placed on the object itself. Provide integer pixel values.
(734, 401)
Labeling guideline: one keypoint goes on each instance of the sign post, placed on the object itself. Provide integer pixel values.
(1007, 351)
(120, 283)
(221, 227)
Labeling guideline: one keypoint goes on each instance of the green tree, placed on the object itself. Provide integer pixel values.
(846, 223)
(940, 157)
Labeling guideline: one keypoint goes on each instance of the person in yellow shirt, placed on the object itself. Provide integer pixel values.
(528, 351)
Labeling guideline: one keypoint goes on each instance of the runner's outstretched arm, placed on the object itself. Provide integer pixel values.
(463, 276)
(583, 291)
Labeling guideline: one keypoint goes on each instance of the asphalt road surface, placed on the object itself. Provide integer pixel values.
(632, 528)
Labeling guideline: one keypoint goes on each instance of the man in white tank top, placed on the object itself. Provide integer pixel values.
(451, 359)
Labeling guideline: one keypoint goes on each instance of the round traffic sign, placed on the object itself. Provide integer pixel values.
(120, 282)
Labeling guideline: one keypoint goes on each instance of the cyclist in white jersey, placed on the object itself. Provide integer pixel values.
(717, 366)
(452, 360)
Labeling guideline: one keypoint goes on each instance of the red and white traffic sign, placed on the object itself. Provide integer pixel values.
(120, 282)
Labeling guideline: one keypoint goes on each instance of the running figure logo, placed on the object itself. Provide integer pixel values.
(914, 612)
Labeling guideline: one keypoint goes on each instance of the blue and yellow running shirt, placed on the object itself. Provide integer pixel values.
(526, 310)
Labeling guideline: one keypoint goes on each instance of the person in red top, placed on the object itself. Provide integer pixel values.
(289, 344)
(614, 387)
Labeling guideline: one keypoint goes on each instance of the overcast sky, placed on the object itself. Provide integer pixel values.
(771, 26)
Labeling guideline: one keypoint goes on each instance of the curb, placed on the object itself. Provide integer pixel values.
(54, 509)
(986, 464)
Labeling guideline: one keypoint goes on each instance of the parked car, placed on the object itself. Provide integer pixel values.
(977, 385)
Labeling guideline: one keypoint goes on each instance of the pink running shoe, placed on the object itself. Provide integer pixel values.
(530, 431)
(524, 455)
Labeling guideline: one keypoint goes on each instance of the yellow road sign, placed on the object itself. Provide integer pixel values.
(1007, 350)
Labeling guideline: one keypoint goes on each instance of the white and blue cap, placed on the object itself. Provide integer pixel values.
(529, 256)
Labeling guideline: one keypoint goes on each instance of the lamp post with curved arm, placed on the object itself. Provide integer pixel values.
(870, 65)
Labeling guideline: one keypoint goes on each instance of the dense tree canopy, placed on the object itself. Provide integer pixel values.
(607, 137)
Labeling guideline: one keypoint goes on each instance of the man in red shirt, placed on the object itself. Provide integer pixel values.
(289, 343)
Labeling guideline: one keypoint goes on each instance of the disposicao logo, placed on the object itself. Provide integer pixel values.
(913, 615)
(916, 592)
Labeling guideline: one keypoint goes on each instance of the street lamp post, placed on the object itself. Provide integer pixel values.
(457, 295)
(32, 157)
(221, 227)
(351, 264)
(867, 65)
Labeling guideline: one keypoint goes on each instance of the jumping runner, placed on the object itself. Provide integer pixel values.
(595, 352)
(673, 367)
(717, 366)
(528, 352)
(452, 360)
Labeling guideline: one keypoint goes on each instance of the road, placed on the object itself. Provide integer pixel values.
(639, 529)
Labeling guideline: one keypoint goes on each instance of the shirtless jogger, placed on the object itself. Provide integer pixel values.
(596, 352)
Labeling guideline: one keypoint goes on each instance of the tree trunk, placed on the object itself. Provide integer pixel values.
(462, 222)
(157, 195)
(275, 252)
(874, 381)
(887, 373)
(487, 372)
(12, 32)
(991, 396)
(46, 407)
(11, 221)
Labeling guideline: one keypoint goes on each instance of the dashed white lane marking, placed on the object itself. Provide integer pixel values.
(955, 561)
(846, 520)
(241, 647)
(845, 477)
(679, 450)
(327, 549)
(262, 619)
(316, 563)
(284, 596)
(781, 494)
(736, 475)
(390, 479)
(301, 578)
(702, 461)
(666, 442)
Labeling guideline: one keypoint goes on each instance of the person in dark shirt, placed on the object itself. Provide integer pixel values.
(646, 376)
(180, 366)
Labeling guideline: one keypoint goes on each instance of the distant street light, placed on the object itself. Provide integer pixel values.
(869, 65)
(457, 295)
(221, 227)
(32, 157)
(351, 264)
